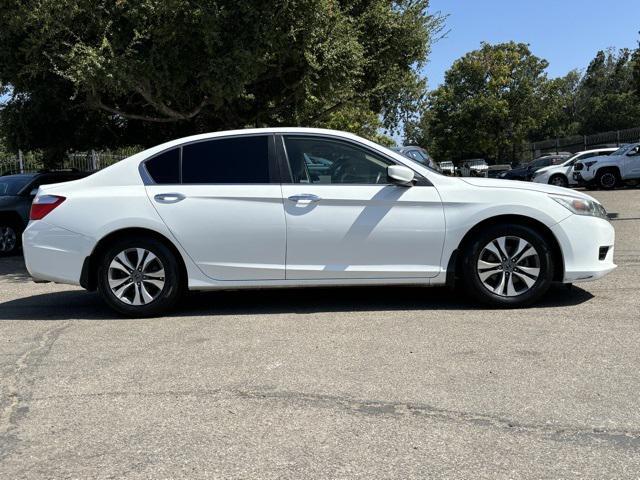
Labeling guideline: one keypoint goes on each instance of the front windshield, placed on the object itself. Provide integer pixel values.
(11, 185)
(622, 150)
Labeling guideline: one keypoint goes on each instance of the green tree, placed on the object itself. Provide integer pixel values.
(607, 96)
(140, 72)
(489, 104)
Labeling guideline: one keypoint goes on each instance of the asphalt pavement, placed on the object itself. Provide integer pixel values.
(326, 383)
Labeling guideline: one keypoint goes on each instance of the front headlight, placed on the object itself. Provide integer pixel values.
(538, 173)
(581, 206)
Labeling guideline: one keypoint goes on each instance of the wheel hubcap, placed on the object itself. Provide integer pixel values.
(136, 276)
(508, 266)
(608, 180)
(8, 239)
(558, 181)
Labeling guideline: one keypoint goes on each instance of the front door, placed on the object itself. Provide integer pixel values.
(225, 209)
(632, 163)
(345, 220)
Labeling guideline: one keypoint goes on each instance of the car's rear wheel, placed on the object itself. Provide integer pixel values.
(139, 277)
(559, 181)
(508, 266)
(607, 179)
(9, 238)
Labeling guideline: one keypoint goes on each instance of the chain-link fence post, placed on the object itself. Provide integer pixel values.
(21, 161)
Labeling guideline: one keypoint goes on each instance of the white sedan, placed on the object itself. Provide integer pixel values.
(562, 175)
(306, 207)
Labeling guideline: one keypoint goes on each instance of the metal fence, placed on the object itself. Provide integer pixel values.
(579, 143)
(82, 161)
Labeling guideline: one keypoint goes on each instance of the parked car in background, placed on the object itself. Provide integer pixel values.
(562, 175)
(16, 195)
(245, 209)
(447, 168)
(525, 172)
(493, 171)
(475, 167)
(607, 172)
(418, 154)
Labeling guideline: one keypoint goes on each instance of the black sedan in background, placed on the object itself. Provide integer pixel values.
(525, 172)
(16, 195)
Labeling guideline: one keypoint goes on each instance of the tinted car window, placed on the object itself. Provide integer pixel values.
(341, 162)
(11, 185)
(165, 168)
(227, 160)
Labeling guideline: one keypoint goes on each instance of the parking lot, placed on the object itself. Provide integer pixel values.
(326, 383)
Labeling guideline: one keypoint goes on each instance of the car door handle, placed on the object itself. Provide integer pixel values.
(305, 197)
(169, 197)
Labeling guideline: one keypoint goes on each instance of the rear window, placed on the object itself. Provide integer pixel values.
(12, 185)
(165, 168)
(243, 159)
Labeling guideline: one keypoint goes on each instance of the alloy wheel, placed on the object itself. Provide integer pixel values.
(608, 180)
(136, 276)
(8, 239)
(508, 266)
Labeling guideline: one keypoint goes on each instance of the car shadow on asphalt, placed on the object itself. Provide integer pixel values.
(79, 304)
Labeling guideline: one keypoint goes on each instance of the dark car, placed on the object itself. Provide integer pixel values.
(525, 172)
(417, 154)
(16, 195)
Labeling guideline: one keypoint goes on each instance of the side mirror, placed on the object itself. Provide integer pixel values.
(633, 152)
(400, 175)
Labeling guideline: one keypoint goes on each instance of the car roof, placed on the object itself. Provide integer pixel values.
(20, 175)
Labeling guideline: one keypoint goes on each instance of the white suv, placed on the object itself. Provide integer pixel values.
(607, 172)
(562, 175)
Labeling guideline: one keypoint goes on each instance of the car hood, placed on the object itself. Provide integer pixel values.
(534, 187)
(548, 168)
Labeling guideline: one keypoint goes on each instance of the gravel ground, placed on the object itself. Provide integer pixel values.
(326, 383)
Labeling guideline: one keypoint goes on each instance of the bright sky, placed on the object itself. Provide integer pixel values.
(567, 33)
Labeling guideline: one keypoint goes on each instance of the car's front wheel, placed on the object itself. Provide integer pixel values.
(508, 266)
(139, 277)
(607, 179)
(9, 238)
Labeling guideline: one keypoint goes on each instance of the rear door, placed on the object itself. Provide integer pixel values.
(221, 199)
(347, 221)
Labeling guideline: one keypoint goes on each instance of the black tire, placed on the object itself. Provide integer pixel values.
(607, 179)
(10, 238)
(471, 275)
(559, 181)
(164, 299)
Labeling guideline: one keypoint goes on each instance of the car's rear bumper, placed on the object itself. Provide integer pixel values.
(581, 240)
(55, 254)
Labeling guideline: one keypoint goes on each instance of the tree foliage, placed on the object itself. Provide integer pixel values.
(608, 97)
(498, 97)
(118, 71)
(488, 104)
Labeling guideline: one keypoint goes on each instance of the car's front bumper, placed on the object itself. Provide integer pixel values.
(55, 254)
(582, 179)
(542, 178)
(581, 239)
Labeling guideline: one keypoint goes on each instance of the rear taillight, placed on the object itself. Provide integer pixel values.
(44, 205)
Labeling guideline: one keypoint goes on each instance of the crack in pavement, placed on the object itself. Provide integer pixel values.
(627, 439)
(562, 433)
(14, 405)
